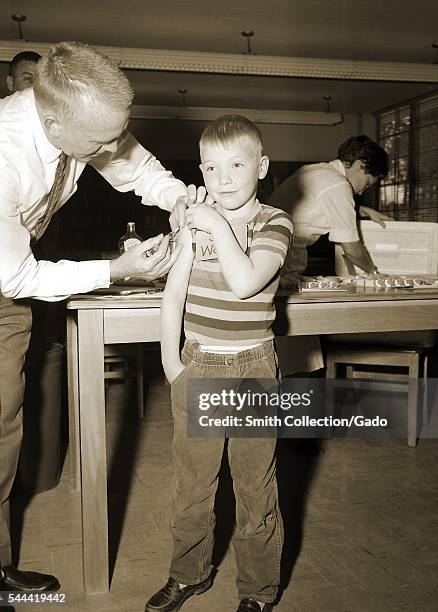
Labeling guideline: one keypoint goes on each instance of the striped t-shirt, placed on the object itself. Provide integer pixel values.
(214, 315)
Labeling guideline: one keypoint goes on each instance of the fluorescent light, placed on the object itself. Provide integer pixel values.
(207, 113)
(261, 65)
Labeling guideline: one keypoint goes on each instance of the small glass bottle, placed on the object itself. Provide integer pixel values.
(130, 239)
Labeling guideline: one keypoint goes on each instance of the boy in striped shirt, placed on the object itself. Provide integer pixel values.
(223, 286)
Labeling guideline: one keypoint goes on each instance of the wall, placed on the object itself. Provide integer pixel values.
(367, 124)
(179, 139)
(96, 216)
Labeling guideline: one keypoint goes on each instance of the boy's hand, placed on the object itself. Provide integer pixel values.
(195, 195)
(203, 218)
(173, 373)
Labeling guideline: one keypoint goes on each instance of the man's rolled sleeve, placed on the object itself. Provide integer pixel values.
(344, 236)
(133, 168)
(338, 205)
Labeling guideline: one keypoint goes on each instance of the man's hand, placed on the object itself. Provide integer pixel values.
(357, 254)
(195, 195)
(135, 262)
(374, 215)
(290, 281)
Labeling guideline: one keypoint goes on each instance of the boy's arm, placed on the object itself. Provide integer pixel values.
(245, 275)
(172, 308)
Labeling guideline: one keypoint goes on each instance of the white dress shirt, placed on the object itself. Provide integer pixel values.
(28, 164)
(320, 200)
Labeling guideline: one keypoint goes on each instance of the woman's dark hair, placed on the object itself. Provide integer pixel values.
(375, 158)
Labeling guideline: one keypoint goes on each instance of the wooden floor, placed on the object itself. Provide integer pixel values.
(360, 522)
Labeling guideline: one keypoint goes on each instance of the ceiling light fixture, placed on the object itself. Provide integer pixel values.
(248, 34)
(254, 65)
(209, 113)
(327, 103)
(18, 18)
(183, 92)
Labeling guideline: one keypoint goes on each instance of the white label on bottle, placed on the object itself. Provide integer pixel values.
(131, 242)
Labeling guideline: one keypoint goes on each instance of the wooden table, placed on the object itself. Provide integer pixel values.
(94, 321)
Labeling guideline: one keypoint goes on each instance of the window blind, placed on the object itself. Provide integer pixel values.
(409, 134)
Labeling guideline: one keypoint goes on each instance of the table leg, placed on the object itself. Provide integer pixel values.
(93, 450)
(414, 372)
(140, 381)
(73, 401)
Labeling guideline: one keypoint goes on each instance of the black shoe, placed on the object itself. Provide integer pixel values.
(251, 605)
(171, 597)
(12, 579)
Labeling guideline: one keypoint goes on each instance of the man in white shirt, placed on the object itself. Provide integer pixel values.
(320, 200)
(79, 108)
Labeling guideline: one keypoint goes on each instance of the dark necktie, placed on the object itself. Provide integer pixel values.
(53, 197)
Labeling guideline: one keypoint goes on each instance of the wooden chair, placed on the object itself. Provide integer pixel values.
(124, 362)
(376, 363)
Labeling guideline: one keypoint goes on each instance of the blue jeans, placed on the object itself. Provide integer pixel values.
(258, 537)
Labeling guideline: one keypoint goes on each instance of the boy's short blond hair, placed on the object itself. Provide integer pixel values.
(227, 128)
(77, 82)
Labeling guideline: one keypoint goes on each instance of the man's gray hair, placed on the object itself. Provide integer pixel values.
(77, 82)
